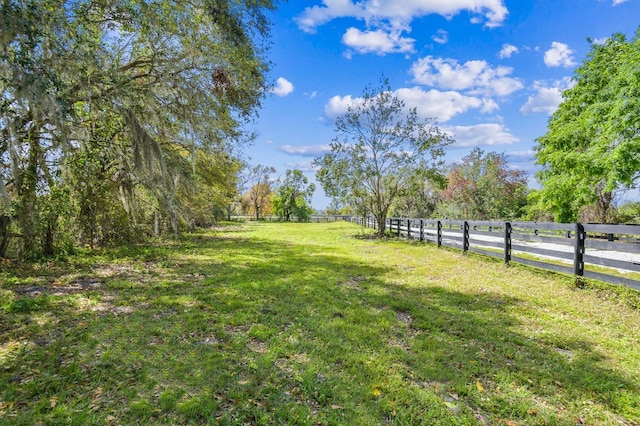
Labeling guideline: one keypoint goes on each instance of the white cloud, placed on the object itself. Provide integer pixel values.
(306, 150)
(315, 16)
(487, 134)
(283, 87)
(380, 41)
(489, 105)
(311, 95)
(387, 20)
(617, 2)
(477, 76)
(303, 166)
(338, 105)
(546, 98)
(492, 12)
(507, 51)
(436, 104)
(559, 55)
(441, 105)
(441, 36)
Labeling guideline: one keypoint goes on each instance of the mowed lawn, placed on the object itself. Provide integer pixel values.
(311, 324)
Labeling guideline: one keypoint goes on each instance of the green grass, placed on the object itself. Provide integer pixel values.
(310, 324)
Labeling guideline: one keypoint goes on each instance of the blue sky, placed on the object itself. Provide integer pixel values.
(490, 71)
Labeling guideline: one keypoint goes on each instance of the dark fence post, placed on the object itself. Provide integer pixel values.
(421, 230)
(465, 237)
(439, 234)
(578, 254)
(398, 223)
(408, 229)
(507, 242)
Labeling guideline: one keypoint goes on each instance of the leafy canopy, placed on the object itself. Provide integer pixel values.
(381, 148)
(483, 187)
(112, 100)
(293, 196)
(593, 139)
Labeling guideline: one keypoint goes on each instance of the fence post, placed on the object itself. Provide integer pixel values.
(408, 229)
(398, 223)
(507, 242)
(421, 230)
(439, 234)
(465, 237)
(578, 254)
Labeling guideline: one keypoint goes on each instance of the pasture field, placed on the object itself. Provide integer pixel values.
(271, 323)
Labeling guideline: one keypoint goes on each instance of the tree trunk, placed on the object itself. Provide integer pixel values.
(5, 223)
(47, 243)
(604, 206)
(382, 223)
(27, 195)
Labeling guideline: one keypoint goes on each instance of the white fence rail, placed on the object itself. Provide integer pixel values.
(608, 253)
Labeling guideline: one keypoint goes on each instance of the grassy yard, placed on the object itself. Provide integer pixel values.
(310, 324)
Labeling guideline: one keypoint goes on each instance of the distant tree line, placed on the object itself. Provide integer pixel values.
(385, 161)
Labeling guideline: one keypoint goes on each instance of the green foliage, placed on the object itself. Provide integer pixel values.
(421, 201)
(535, 209)
(482, 187)
(111, 101)
(629, 213)
(293, 196)
(379, 152)
(591, 145)
(257, 199)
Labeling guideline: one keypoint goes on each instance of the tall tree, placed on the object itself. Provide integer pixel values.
(258, 178)
(593, 139)
(132, 89)
(482, 187)
(293, 196)
(379, 150)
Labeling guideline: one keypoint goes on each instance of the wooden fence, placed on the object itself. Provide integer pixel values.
(608, 253)
(314, 218)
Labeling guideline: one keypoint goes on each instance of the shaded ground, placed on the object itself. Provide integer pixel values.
(304, 324)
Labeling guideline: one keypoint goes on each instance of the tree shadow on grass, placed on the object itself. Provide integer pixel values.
(276, 332)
